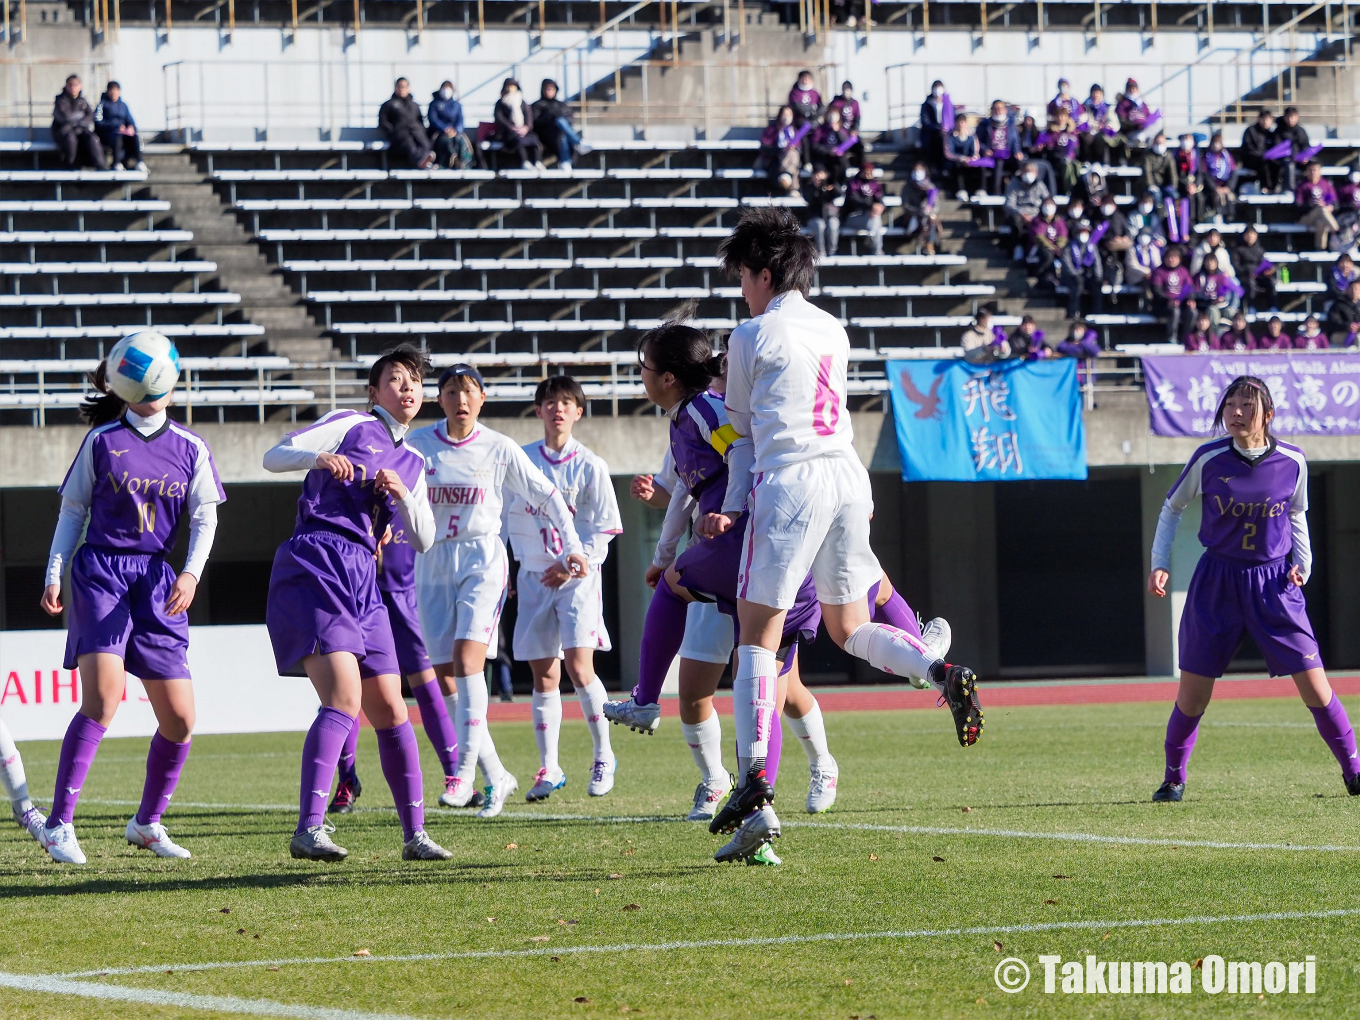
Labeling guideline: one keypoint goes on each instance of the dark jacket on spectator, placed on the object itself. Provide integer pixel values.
(860, 196)
(1341, 318)
(1025, 199)
(1159, 171)
(111, 117)
(919, 198)
(1246, 258)
(546, 112)
(445, 113)
(961, 148)
(806, 103)
(1255, 141)
(400, 118)
(72, 114)
(993, 136)
(505, 124)
(1295, 136)
(821, 199)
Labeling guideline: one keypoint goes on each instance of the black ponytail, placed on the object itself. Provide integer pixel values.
(685, 352)
(104, 405)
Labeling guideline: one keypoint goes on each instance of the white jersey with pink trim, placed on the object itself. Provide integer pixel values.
(786, 383)
(467, 481)
(583, 480)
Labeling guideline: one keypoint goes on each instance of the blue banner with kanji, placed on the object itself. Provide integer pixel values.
(1004, 422)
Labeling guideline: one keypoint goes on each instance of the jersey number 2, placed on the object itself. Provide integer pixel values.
(826, 407)
(1247, 542)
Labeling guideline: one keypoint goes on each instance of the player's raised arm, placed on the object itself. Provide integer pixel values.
(533, 486)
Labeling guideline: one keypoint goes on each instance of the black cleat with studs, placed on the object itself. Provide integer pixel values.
(1169, 793)
(958, 688)
(741, 802)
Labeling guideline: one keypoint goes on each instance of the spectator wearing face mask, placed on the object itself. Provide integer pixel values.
(864, 207)
(1171, 293)
(1058, 145)
(1083, 272)
(1141, 260)
(1201, 339)
(805, 100)
(961, 147)
(1220, 180)
(1212, 243)
(401, 124)
(1190, 182)
(1311, 337)
(1159, 171)
(452, 148)
(1081, 342)
(829, 146)
(1001, 143)
(552, 123)
(1047, 236)
(1215, 292)
(1317, 198)
(1238, 335)
(1257, 140)
(1255, 272)
(823, 221)
(779, 153)
(937, 119)
(515, 126)
(1065, 102)
(1343, 272)
(1024, 198)
(1115, 242)
(1100, 129)
(1291, 131)
(1146, 217)
(1343, 318)
(848, 106)
(919, 199)
(1136, 118)
(1027, 131)
(73, 128)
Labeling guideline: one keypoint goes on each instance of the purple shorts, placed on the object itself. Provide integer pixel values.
(323, 597)
(405, 620)
(709, 567)
(118, 606)
(1228, 600)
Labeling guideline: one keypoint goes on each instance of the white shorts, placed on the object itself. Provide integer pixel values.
(708, 634)
(813, 515)
(551, 619)
(460, 591)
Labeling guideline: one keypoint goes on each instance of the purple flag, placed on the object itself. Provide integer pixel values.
(1307, 154)
(946, 113)
(846, 145)
(982, 161)
(1278, 151)
(1315, 392)
(801, 133)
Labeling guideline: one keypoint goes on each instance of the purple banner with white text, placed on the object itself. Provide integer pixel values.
(1315, 393)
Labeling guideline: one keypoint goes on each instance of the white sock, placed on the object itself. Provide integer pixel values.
(593, 697)
(489, 760)
(705, 744)
(12, 776)
(753, 699)
(547, 715)
(811, 733)
(893, 651)
(470, 722)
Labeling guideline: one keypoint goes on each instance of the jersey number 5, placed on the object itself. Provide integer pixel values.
(826, 407)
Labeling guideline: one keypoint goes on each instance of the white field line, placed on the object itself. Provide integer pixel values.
(511, 816)
(776, 940)
(55, 985)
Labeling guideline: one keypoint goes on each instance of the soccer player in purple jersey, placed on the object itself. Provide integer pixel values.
(136, 475)
(326, 618)
(1254, 529)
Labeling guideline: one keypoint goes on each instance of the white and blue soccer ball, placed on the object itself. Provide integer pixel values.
(143, 366)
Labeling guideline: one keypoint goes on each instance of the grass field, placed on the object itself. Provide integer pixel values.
(565, 909)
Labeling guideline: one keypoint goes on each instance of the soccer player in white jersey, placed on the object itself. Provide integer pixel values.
(14, 784)
(562, 617)
(810, 500)
(461, 581)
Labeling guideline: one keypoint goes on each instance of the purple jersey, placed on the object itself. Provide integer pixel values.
(700, 436)
(1247, 504)
(139, 486)
(397, 561)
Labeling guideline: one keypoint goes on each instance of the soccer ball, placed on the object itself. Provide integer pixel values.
(143, 366)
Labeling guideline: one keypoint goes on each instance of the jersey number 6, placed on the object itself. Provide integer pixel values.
(826, 407)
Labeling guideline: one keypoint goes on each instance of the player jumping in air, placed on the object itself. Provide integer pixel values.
(561, 615)
(325, 615)
(810, 502)
(1254, 529)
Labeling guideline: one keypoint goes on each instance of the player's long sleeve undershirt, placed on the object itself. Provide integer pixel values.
(679, 513)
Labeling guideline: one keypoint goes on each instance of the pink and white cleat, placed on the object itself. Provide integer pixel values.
(822, 787)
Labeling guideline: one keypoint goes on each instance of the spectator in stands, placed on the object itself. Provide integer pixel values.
(552, 124)
(73, 128)
(1215, 292)
(1171, 293)
(401, 124)
(820, 193)
(961, 148)
(452, 148)
(1220, 180)
(830, 146)
(805, 100)
(1091, 188)
(1238, 336)
(1115, 242)
(117, 130)
(1083, 271)
(1047, 238)
(1024, 198)
(919, 200)
(864, 206)
(1027, 341)
(1000, 143)
(984, 343)
(1096, 140)
(848, 106)
(1257, 140)
(1058, 145)
(1255, 272)
(1343, 318)
(779, 153)
(1159, 171)
(1135, 117)
(1213, 244)
(1081, 342)
(1201, 339)
(1189, 184)
(1343, 272)
(1142, 260)
(937, 119)
(1147, 217)
(1075, 213)
(1291, 131)
(1065, 102)
(515, 126)
(1311, 337)
(1317, 198)
(1348, 211)
(1027, 132)
(1274, 338)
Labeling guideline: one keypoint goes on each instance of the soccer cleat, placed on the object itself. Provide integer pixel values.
(421, 847)
(706, 798)
(154, 838)
(741, 802)
(457, 793)
(822, 788)
(766, 856)
(643, 718)
(1352, 785)
(346, 793)
(1173, 792)
(601, 777)
(937, 636)
(958, 689)
(315, 844)
(497, 793)
(33, 821)
(545, 784)
(60, 843)
(757, 829)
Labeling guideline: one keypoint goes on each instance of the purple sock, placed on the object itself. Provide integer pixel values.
(78, 748)
(1181, 730)
(401, 765)
(772, 752)
(320, 752)
(662, 634)
(348, 770)
(1335, 727)
(164, 762)
(895, 612)
(434, 716)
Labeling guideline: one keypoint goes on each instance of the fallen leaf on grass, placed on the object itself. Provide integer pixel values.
(998, 946)
(225, 910)
(966, 810)
(1063, 878)
(981, 1002)
(363, 952)
(938, 860)
(632, 906)
(555, 959)
(275, 969)
(847, 981)
(1106, 936)
(1050, 903)
(490, 920)
(580, 998)
(540, 938)
(169, 971)
(612, 877)
(240, 931)
(627, 853)
(873, 857)
(1197, 964)
(512, 846)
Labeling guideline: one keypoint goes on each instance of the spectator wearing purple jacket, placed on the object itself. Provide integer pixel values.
(864, 206)
(827, 147)
(1274, 338)
(1058, 144)
(1135, 116)
(1083, 271)
(1343, 272)
(1171, 292)
(1238, 336)
(1202, 339)
(1081, 342)
(1047, 238)
(1220, 180)
(1311, 337)
(1096, 140)
(1317, 198)
(848, 105)
(1215, 292)
(999, 141)
(1065, 101)
(919, 200)
(805, 100)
